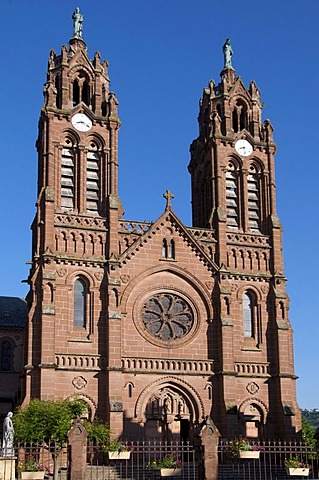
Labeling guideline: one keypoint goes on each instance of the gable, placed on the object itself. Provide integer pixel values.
(167, 239)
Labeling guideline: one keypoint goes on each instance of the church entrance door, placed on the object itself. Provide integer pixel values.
(168, 416)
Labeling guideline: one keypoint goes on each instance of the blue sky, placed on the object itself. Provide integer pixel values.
(162, 54)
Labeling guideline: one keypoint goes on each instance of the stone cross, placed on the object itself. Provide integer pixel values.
(168, 195)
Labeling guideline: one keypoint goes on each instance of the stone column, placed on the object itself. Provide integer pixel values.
(77, 437)
(210, 438)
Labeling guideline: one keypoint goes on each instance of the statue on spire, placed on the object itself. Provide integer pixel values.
(77, 23)
(228, 53)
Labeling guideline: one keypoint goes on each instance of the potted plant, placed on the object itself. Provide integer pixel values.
(243, 449)
(295, 466)
(169, 466)
(118, 450)
(30, 469)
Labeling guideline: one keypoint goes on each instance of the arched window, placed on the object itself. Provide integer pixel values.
(249, 304)
(67, 175)
(6, 356)
(164, 248)
(58, 88)
(76, 92)
(253, 199)
(171, 249)
(232, 196)
(92, 179)
(80, 303)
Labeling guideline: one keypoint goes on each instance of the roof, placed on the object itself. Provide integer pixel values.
(13, 312)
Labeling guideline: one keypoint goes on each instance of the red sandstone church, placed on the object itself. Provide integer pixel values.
(156, 325)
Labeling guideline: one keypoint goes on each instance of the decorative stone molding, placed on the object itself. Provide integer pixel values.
(80, 362)
(282, 325)
(249, 240)
(255, 369)
(79, 382)
(115, 315)
(227, 322)
(98, 275)
(48, 275)
(68, 220)
(48, 310)
(125, 278)
(252, 388)
(49, 194)
(203, 235)
(160, 366)
(62, 272)
(116, 406)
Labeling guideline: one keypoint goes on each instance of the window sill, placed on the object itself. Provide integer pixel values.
(248, 348)
(79, 340)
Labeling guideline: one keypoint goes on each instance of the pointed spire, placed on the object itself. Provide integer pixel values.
(168, 195)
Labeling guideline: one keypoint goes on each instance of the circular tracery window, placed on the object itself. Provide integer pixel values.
(167, 317)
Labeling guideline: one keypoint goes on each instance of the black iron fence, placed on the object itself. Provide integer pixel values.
(142, 461)
(270, 464)
(142, 457)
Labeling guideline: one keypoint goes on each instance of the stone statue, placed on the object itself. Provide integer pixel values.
(8, 434)
(228, 53)
(77, 23)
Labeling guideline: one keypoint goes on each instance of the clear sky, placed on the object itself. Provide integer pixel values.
(162, 54)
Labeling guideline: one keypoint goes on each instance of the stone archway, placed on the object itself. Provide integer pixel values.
(170, 411)
(253, 414)
(168, 415)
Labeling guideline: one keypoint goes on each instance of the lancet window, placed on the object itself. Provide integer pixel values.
(67, 175)
(253, 199)
(232, 196)
(249, 314)
(80, 303)
(92, 179)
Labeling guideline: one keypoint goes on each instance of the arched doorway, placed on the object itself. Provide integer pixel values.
(170, 411)
(168, 414)
(253, 418)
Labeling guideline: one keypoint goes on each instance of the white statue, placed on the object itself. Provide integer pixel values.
(8, 434)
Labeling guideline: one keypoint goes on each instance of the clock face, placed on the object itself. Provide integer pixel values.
(243, 148)
(81, 122)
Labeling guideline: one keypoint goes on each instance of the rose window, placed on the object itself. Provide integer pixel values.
(167, 316)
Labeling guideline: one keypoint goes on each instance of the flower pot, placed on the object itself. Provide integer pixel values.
(170, 472)
(32, 475)
(299, 471)
(119, 455)
(249, 454)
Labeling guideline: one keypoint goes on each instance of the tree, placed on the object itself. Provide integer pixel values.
(46, 420)
(308, 433)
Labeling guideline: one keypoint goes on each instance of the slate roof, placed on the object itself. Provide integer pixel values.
(13, 312)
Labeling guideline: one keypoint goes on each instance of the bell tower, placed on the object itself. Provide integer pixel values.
(74, 232)
(234, 195)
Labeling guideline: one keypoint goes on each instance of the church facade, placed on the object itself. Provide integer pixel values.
(158, 325)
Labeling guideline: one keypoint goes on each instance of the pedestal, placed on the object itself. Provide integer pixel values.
(7, 468)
